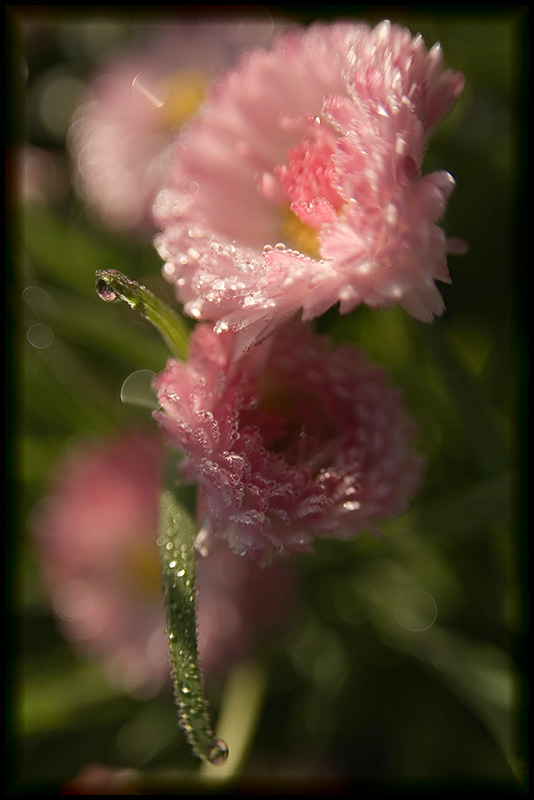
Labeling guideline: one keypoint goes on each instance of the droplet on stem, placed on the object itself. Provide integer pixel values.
(105, 291)
(219, 753)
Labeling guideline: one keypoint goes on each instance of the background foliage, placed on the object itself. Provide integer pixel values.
(349, 693)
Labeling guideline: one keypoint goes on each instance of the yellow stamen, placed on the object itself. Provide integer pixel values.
(299, 235)
(183, 91)
(141, 568)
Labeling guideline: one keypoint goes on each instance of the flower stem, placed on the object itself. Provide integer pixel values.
(177, 532)
(112, 285)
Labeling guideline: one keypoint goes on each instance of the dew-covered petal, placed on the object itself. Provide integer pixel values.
(292, 441)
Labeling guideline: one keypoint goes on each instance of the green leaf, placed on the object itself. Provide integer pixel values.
(60, 692)
(471, 511)
(84, 322)
(65, 253)
(482, 430)
(177, 533)
(483, 677)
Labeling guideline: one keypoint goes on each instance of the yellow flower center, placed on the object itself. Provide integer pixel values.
(141, 568)
(183, 91)
(298, 235)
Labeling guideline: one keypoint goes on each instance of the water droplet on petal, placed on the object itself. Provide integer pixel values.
(351, 505)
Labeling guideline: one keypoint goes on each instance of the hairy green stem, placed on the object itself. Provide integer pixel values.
(177, 532)
(176, 539)
(112, 285)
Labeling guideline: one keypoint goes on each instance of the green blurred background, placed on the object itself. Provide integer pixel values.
(355, 693)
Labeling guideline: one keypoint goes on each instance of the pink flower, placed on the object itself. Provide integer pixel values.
(95, 779)
(121, 133)
(96, 544)
(41, 175)
(298, 185)
(293, 441)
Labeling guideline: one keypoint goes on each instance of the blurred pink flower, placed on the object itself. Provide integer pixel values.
(40, 175)
(121, 133)
(298, 184)
(294, 440)
(96, 544)
(95, 779)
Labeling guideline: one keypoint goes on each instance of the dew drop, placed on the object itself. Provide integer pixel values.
(144, 91)
(351, 505)
(105, 292)
(137, 389)
(415, 610)
(219, 753)
(40, 336)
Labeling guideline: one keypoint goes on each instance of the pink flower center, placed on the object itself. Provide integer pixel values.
(293, 423)
(308, 181)
(305, 189)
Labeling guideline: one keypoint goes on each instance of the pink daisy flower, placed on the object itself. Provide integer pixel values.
(138, 99)
(298, 185)
(95, 537)
(292, 441)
